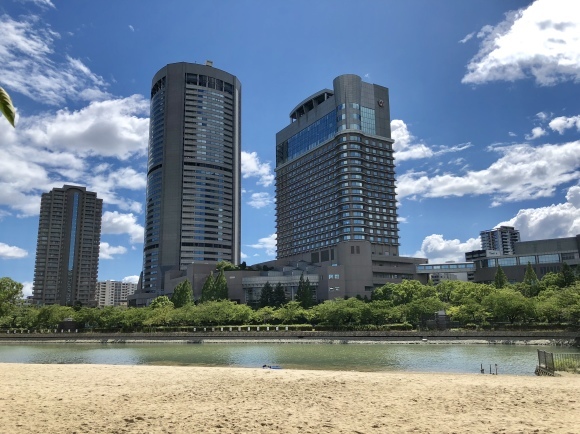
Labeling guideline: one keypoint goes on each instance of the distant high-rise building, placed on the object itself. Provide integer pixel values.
(193, 175)
(67, 251)
(501, 239)
(114, 293)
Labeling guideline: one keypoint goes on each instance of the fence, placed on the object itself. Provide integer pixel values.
(549, 363)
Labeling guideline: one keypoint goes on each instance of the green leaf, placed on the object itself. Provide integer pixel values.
(6, 106)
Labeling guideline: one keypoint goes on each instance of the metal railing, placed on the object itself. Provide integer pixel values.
(549, 363)
(545, 363)
(569, 362)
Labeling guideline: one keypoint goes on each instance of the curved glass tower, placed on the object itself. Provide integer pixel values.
(193, 173)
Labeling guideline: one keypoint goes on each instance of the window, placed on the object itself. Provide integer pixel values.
(507, 262)
(546, 259)
(525, 259)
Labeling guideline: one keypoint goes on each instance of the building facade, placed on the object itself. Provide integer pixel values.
(335, 188)
(461, 271)
(501, 239)
(114, 293)
(545, 256)
(193, 176)
(335, 171)
(67, 252)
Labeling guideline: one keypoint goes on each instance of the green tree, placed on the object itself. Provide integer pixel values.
(182, 294)
(279, 296)
(421, 307)
(343, 313)
(208, 289)
(6, 107)
(291, 313)
(383, 312)
(226, 266)
(267, 295)
(500, 280)
(10, 293)
(221, 287)
(566, 276)
(530, 286)
(509, 304)
(304, 293)
(161, 301)
(50, 316)
(550, 281)
(263, 315)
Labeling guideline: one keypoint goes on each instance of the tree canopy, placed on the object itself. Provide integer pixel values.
(10, 292)
(182, 294)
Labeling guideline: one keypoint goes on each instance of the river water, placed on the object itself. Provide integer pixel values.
(452, 358)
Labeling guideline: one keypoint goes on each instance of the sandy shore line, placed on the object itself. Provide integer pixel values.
(159, 399)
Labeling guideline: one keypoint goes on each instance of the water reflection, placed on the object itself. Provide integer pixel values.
(511, 359)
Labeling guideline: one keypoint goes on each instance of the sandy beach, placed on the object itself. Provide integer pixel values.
(168, 399)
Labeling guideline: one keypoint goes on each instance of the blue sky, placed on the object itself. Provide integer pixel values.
(485, 110)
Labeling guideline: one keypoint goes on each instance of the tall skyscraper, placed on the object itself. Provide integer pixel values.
(335, 191)
(193, 174)
(335, 172)
(502, 239)
(67, 252)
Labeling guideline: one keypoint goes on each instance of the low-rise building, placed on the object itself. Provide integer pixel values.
(348, 269)
(545, 256)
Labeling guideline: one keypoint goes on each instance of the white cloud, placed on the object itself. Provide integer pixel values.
(107, 251)
(243, 255)
(11, 252)
(408, 148)
(536, 132)
(260, 200)
(438, 250)
(118, 223)
(523, 172)
(252, 167)
(267, 243)
(554, 221)
(131, 28)
(109, 128)
(540, 41)
(41, 3)
(405, 144)
(130, 279)
(563, 123)
(31, 66)
(467, 38)
(512, 134)
(26, 289)
(50, 150)
(106, 185)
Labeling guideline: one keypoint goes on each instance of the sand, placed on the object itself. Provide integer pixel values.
(167, 399)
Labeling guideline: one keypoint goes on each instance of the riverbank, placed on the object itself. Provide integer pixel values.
(159, 399)
(218, 335)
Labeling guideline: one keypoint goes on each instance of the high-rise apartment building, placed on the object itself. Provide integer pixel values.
(67, 252)
(335, 171)
(501, 239)
(113, 293)
(193, 175)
